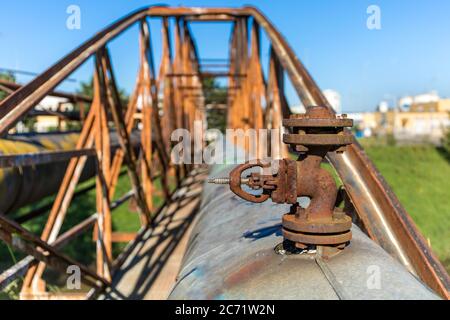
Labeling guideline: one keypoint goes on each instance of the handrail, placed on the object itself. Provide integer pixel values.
(386, 220)
(21, 101)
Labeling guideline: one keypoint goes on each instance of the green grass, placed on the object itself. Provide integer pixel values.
(420, 177)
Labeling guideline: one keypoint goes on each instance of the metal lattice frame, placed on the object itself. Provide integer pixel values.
(382, 215)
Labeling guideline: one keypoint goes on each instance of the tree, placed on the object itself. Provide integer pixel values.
(215, 94)
(8, 76)
(446, 141)
(87, 89)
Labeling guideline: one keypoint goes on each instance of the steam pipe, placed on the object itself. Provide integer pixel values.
(26, 185)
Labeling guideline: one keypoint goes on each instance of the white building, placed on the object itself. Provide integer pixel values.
(383, 107)
(427, 97)
(405, 103)
(45, 122)
(334, 98)
(55, 104)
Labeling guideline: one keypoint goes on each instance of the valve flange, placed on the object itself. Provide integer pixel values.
(312, 135)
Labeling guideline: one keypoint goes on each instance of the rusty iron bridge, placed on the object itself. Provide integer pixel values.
(136, 136)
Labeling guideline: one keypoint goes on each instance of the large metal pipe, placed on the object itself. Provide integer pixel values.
(231, 255)
(26, 185)
(22, 186)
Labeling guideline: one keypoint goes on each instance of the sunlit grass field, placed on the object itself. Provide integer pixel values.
(420, 177)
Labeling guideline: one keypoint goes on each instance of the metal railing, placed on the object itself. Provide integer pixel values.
(383, 217)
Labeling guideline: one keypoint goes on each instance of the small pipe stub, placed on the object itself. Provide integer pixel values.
(312, 135)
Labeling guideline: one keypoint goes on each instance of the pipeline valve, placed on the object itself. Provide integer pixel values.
(311, 135)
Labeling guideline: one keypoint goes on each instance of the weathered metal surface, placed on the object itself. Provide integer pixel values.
(384, 219)
(152, 263)
(69, 96)
(207, 75)
(314, 140)
(23, 240)
(321, 223)
(32, 159)
(34, 181)
(20, 269)
(231, 256)
(322, 215)
(308, 122)
(28, 184)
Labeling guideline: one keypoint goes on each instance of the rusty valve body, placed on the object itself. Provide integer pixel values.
(312, 136)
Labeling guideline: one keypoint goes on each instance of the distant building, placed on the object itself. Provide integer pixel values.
(51, 103)
(420, 126)
(48, 119)
(47, 122)
(421, 118)
(383, 107)
(427, 102)
(426, 98)
(442, 105)
(366, 123)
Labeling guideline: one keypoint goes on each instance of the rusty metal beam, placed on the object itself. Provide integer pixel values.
(168, 121)
(57, 214)
(124, 139)
(23, 265)
(148, 98)
(211, 18)
(21, 101)
(6, 88)
(103, 227)
(207, 75)
(23, 240)
(73, 97)
(385, 219)
(208, 89)
(276, 110)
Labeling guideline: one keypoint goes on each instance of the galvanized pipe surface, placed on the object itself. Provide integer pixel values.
(231, 255)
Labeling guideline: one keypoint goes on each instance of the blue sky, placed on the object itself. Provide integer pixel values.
(409, 55)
